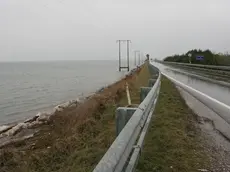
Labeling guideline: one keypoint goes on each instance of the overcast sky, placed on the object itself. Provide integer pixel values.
(88, 29)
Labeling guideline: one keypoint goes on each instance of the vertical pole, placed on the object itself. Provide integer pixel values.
(119, 42)
(128, 54)
(140, 58)
(135, 58)
(139, 55)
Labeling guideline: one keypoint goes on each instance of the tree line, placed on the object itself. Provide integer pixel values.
(207, 57)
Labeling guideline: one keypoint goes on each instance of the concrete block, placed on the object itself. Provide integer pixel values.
(123, 114)
(144, 92)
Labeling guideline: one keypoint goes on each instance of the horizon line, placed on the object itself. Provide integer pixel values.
(9, 61)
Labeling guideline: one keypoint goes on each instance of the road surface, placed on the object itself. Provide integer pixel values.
(215, 91)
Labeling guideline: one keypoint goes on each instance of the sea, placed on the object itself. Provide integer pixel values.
(27, 88)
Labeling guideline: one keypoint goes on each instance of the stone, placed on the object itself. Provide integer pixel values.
(203, 170)
(4, 128)
(31, 119)
(43, 117)
(61, 107)
(17, 128)
(34, 124)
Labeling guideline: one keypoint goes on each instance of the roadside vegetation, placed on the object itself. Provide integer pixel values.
(173, 142)
(210, 58)
(76, 138)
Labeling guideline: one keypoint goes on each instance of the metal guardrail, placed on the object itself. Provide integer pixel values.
(218, 107)
(124, 152)
(204, 78)
(224, 68)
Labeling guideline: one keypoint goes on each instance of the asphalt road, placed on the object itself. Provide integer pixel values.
(215, 91)
(211, 102)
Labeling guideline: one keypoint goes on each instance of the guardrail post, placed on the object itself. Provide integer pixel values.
(152, 82)
(131, 125)
(123, 114)
(144, 92)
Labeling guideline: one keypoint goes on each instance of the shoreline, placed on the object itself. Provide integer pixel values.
(29, 90)
(9, 131)
(78, 136)
(49, 108)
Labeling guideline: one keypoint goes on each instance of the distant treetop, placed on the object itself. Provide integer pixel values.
(209, 57)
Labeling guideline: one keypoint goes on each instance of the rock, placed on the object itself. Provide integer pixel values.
(31, 119)
(34, 124)
(100, 90)
(16, 129)
(4, 128)
(60, 107)
(203, 170)
(14, 140)
(71, 103)
(43, 117)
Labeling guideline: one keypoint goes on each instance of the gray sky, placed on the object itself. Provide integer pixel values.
(88, 29)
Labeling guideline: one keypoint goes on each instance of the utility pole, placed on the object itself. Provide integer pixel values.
(135, 59)
(137, 51)
(119, 47)
(142, 57)
(128, 53)
(139, 57)
(123, 67)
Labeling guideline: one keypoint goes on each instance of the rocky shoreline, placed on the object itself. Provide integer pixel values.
(16, 132)
(24, 130)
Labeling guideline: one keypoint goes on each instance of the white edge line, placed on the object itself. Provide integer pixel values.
(205, 95)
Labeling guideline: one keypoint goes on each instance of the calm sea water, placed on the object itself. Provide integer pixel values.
(29, 87)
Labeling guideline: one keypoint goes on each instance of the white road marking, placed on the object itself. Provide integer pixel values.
(205, 95)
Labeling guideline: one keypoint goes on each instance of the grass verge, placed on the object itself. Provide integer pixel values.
(77, 138)
(173, 142)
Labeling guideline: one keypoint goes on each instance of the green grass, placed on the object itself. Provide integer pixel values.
(140, 80)
(173, 142)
